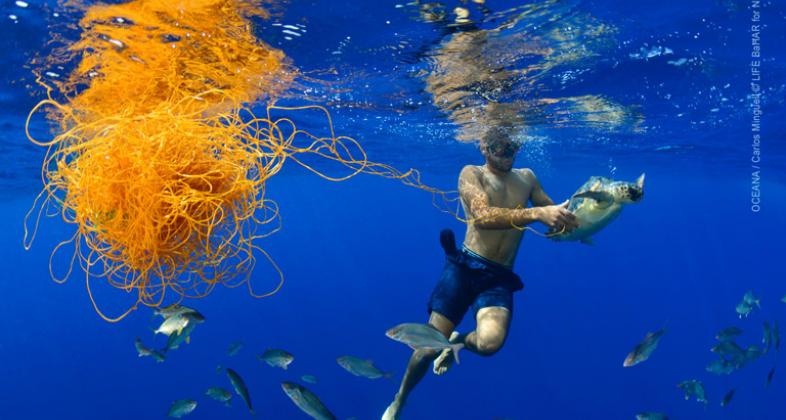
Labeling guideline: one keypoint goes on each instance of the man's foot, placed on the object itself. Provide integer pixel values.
(393, 410)
(444, 361)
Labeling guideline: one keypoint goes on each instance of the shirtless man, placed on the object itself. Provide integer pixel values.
(480, 276)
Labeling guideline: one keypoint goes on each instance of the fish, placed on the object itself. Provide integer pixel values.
(783, 299)
(234, 348)
(310, 379)
(643, 350)
(596, 204)
(143, 351)
(721, 367)
(746, 306)
(177, 338)
(423, 336)
(177, 323)
(360, 367)
(240, 389)
(219, 369)
(180, 408)
(693, 388)
(177, 309)
(220, 394)
(752, 353)
(727, 398)
(651, 415)
(728, 349)
(728, 334)
(277, 358)
(776, 335)
(766, 339)
(770, 375)
(307, 401)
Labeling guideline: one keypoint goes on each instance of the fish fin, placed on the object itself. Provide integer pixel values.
(456, 348)
(587, 241)
(601, 197)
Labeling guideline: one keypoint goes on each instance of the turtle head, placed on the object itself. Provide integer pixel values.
(631, 192)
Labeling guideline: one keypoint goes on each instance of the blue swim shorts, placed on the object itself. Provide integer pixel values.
(471, 281)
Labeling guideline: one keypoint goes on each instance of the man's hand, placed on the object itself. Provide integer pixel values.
(558, 217)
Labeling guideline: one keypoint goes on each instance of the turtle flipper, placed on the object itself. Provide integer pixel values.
(603, 198)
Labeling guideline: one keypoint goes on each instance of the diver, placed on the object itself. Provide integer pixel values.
(480, 276)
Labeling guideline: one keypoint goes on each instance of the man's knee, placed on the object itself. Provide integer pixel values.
(488, 346)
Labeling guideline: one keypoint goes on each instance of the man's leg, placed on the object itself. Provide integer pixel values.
(417, 367)
(489, 336)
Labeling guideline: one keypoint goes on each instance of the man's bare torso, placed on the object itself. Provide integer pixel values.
(510, 190)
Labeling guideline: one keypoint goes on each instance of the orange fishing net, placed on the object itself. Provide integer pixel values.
(158, 159)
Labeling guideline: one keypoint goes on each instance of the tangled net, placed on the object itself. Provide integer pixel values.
(160, 162)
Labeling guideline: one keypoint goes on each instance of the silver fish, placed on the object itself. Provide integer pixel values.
(651, 415)
(728, 334)
(234, 348)
(728, 349)
(746, 306)
(770, 375)
(277, 358)
(307, 401)
(727, 398)
(220, 394)
(310, 379)
(143, 351)
(180, 408)
(776, 335)
(643, 350)
(177, 338)
(360, 367)
(177, 309)
(721, 367)
(423, 336)
(240, 388)
(693, 388)
(766, 338)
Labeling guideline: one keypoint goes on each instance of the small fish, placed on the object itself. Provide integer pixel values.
(177, 323)
(783, 299)
(721, 367)
(770, 375)
(234, 348)
(693, 388)
(360, 367)
(766, 338)
(307, 401)
(728, 349)
(776, 335)
(180, 408)
(309, 379)
(749, 300)
(177, 338)
(220, 394)
(727, 398)
(277, 358)
(650, 415)
(728, 334)
(240, 388)
(423, 336)
(643, 350)
(752, 353)
(176, 309)
(143, 351)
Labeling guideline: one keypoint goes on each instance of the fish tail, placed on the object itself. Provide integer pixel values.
(456, 347)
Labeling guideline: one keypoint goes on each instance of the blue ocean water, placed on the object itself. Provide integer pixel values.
(361, 256)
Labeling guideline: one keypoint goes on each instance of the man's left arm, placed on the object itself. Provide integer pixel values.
(538, 197)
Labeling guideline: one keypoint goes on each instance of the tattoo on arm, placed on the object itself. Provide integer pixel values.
(485, 216)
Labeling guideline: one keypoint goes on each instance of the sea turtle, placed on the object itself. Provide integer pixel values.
(596, 204)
